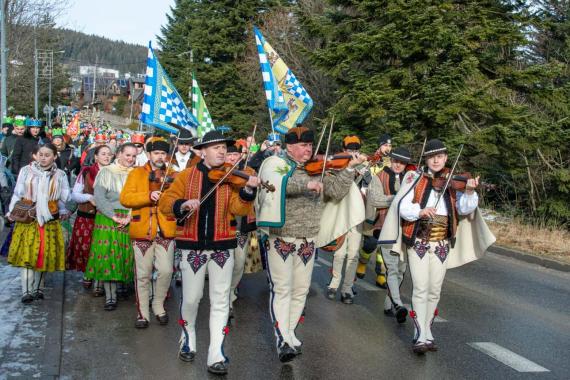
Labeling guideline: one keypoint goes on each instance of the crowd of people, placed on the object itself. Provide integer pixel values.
(150, 209)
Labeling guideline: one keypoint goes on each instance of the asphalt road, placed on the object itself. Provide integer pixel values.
(500, 319)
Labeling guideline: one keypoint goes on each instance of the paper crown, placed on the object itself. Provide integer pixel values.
(274, 137)
(33, 123)
(8, 120)
(57, 132)
(20, 121)
(100, 137)
(137, 139)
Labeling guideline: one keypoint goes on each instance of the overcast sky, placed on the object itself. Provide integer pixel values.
(136, 21)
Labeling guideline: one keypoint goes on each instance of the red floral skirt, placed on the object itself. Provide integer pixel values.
(80, 244)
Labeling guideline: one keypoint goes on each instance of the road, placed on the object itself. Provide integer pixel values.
(500, 319)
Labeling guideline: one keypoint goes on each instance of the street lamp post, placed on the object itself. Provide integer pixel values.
(3, 103)
(49, 83)
(36, 99)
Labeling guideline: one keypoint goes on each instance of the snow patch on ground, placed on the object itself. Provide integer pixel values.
(22, 328)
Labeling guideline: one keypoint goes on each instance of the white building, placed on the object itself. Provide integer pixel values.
(101, 71)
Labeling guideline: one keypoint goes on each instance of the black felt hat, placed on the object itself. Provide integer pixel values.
(385, 138)
(434, 146)
(233, 148)
(185, 137)
(299, 134)
(213, 137)
(401, 154)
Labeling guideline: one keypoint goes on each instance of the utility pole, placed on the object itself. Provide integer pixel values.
(35, 75)
(94, 82)
(3, 59)
(49, 88)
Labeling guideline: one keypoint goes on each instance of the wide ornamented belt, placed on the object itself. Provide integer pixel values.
(433, 230)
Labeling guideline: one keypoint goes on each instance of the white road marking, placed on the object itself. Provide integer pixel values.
(438, 319)
(317, 264)
(324, 261)
(507, 357)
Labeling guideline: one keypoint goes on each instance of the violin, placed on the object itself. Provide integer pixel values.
(458, 182)
(315, 166)
(160, 180)
(237, 178)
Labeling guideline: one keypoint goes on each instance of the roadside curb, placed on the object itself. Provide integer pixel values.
(547, 263)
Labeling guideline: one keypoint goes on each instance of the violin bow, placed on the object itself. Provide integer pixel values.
(321, 138)
(170, 161)
(211, 191)
(327, 150)
(449, 177)
(249, 147)
(422, 153)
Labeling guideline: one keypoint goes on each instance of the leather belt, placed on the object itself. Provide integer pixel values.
(433, 230)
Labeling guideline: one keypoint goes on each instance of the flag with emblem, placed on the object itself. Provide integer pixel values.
(288, 101)
(162, 105)
(200, 110)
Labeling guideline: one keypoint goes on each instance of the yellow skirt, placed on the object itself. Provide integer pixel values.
(40, 249)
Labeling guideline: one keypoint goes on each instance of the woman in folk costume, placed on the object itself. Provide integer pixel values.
(441, 228)
(37, 245)
(82, 194)
(111, 256)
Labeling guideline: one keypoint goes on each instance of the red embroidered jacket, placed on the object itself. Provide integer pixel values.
(212, 226)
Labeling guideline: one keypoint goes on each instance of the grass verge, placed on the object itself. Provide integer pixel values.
(549, 243)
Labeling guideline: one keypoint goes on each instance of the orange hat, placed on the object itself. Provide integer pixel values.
(137, 139)
(241, 144)
(100, 138)
(351, 142)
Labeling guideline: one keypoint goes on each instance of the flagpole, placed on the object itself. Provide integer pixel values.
(271, 120)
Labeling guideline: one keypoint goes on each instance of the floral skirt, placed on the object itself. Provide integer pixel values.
(39, 248)
(111, 257)
(80, 244)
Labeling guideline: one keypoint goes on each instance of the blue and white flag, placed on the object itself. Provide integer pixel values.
(287, 100)
(162, 104)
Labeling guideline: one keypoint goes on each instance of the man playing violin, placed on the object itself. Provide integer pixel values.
(244, 225)
(206, 236)
(151, 231)
(350, 247)
(368, 241)
(441, 228)
(290, 219)
(381, 192)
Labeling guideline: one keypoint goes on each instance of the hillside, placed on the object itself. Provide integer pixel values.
(84, 49)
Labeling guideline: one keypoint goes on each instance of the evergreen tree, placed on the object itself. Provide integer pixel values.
(216, 35)
(447, 69)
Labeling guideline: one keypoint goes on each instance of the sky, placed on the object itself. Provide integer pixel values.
(135, 21)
